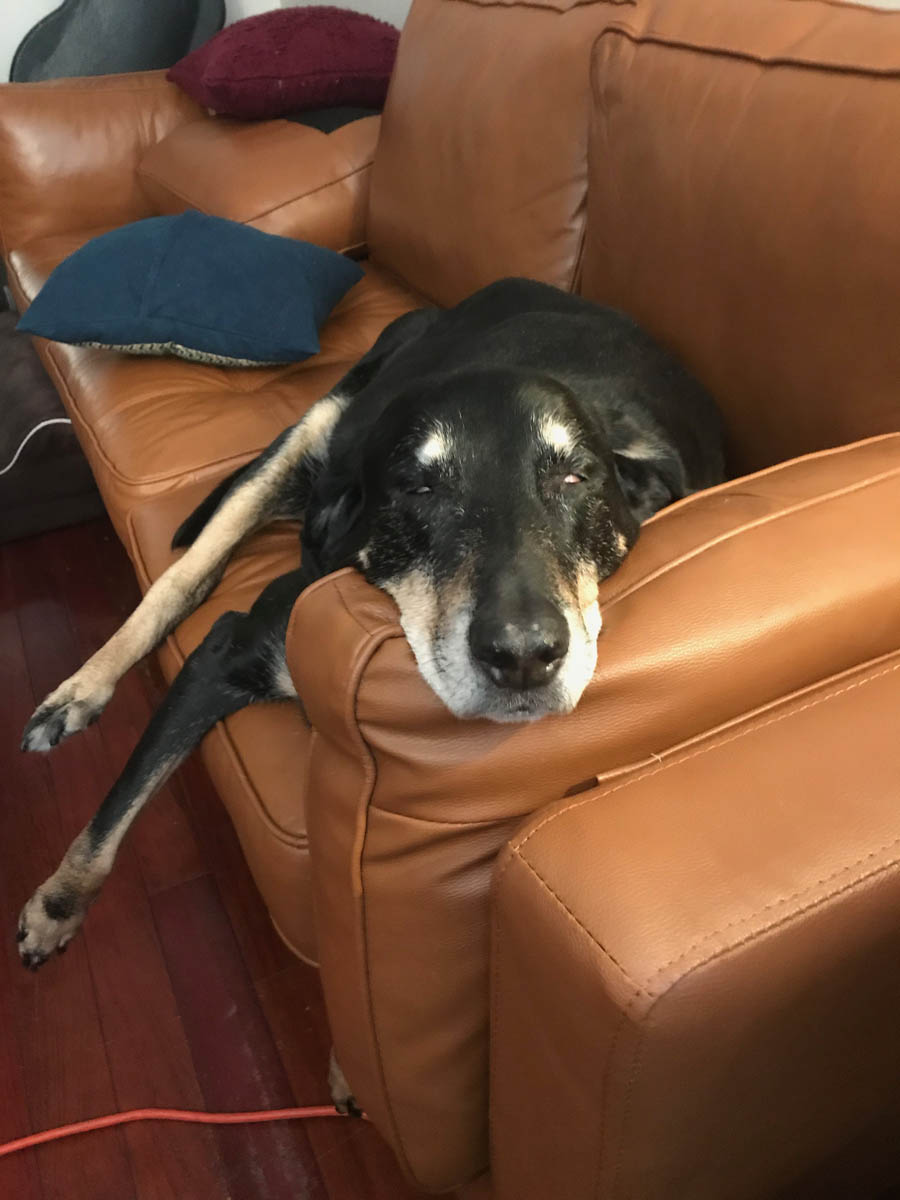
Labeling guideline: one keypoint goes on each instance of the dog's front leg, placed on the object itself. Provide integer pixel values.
(264, 490)
(231, 668)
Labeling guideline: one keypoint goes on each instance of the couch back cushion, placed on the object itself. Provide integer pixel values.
(70, 148)
(481, 167)
(744, 201)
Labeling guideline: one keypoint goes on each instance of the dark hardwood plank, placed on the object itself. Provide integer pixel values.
(220, 1010)
(152, 1068)
(149, 1057)
(353, 1158)
(54, 1017)
(19, 1175)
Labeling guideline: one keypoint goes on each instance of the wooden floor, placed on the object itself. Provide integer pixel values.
(178, 993)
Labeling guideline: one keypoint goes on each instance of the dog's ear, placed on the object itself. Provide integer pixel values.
(333, 522)
(332, 530)
(649, 482)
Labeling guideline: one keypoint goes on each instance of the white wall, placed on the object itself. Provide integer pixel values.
(386, 10)
(236, 9)
(15, 21)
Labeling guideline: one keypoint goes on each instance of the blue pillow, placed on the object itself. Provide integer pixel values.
(200, 287)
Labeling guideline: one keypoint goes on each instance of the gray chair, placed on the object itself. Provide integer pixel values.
(103, 37)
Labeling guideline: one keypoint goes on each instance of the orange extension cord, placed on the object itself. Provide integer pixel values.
(168, 1114)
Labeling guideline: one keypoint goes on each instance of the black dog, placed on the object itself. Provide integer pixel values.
(487, 466)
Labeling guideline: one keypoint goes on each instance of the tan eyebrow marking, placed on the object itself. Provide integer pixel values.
(437, 447)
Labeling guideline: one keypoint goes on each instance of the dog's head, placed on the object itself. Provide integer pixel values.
(489, 506)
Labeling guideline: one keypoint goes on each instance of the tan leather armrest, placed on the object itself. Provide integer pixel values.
(279, 176)
(696, 973)
(69, 150)
(731, 600)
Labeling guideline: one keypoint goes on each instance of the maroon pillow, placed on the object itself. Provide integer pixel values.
(289, 59)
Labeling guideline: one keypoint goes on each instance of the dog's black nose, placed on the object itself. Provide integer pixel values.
(522, 653)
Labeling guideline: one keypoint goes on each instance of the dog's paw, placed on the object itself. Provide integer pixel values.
(47, 924)
(341, 1096)
(68, 710)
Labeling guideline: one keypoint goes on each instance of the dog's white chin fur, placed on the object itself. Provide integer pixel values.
(447, 666)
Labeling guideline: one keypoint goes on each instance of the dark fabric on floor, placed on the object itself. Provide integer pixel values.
(51, 484)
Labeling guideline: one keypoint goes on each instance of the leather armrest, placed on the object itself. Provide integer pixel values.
(732, 600)
(696, 969)
(279, 176)
(69, 150)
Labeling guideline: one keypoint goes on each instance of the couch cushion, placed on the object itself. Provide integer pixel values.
(151, 425)
(750, 220)
(481, 165)
(70, 150)
(279, 176)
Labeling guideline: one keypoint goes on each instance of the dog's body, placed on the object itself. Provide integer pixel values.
(487, 466)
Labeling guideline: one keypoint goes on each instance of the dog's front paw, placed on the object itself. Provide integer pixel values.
(341, 1096)
(47, 924)
(68, 710)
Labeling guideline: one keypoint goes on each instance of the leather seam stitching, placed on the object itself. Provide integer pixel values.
(748, 527)
(314, 191)
(762, 60)
(151, 175)
(551, 9)
(714, 745)
(145, 173)
(752, 936)
(91, 91)
(493, 1025)
(374, 640)
(739, 482)
(482, 823)
(781, 902)
(637, 988)
(621, 1025)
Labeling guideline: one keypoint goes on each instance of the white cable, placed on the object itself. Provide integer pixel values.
(29, 435)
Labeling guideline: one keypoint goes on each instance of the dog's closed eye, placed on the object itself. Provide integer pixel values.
(419, 483)
(564, 479)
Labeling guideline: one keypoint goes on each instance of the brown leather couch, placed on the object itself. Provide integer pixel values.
(651, 949)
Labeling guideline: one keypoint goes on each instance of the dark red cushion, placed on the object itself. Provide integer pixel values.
(290, 59)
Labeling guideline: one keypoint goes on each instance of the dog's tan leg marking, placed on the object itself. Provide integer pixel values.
(82, 697)
(54, 914)
(341, 1095)
(56, 910)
